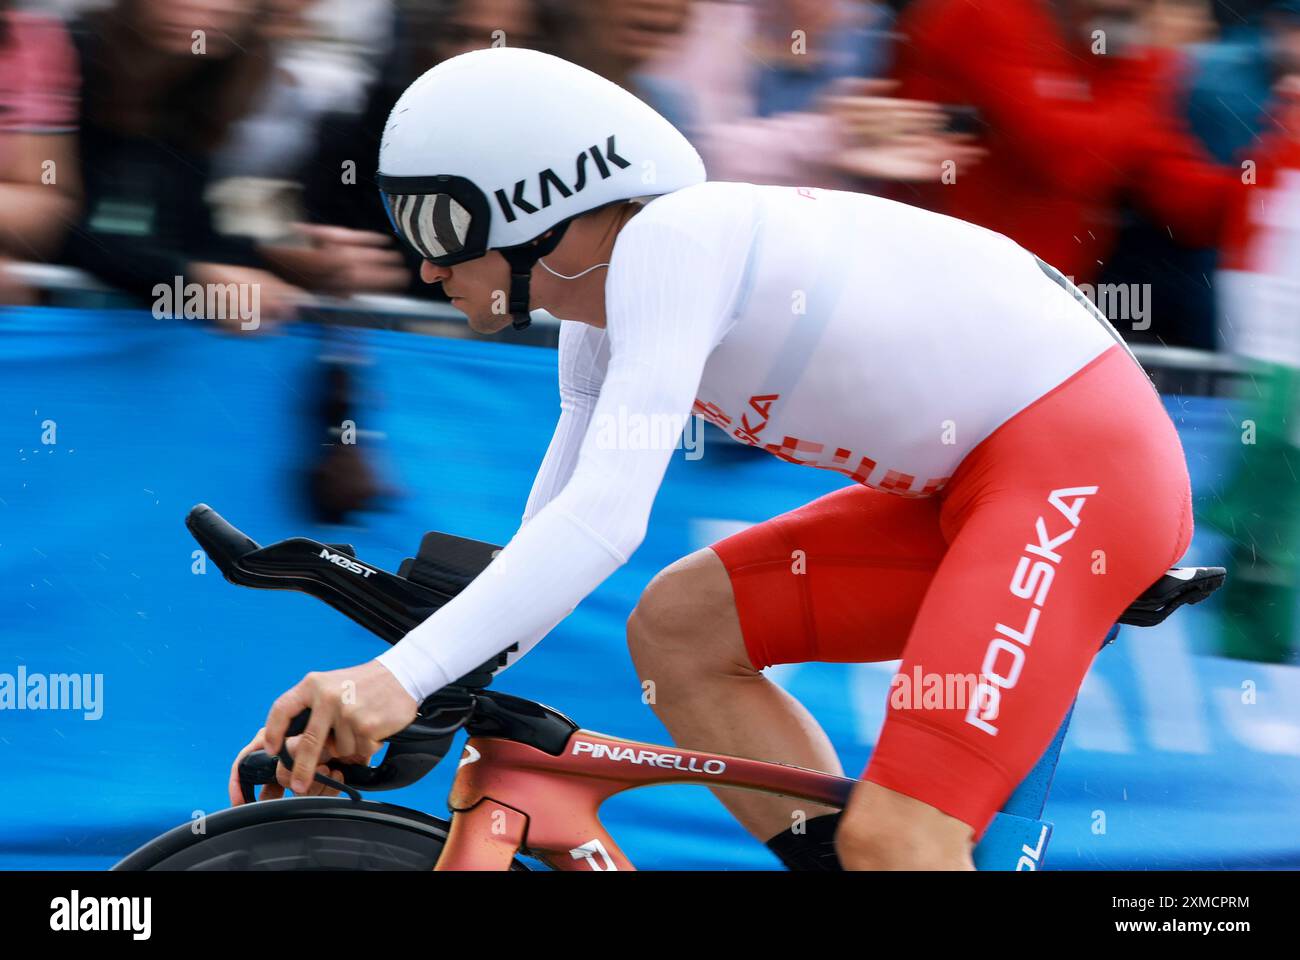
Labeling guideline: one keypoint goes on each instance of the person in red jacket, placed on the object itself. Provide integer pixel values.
(1074, 114)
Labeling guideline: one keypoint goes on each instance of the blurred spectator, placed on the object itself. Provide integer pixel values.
(338, 179)
(39, 183)
(312, 75)
(1228, 92)
(1259, 292)
(1076, 114)
(1180, 305)
(779, 95)
(1228, 103)
(162, 82)
(315, 70)
(464, 25)
(278, 131)
(617, 40)
(340, 190)
(1175, 24)
(1232, 80)
(801, 46)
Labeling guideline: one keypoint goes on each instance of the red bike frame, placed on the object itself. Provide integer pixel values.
(508, 796)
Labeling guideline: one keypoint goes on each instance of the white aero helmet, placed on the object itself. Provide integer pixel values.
(491, 149)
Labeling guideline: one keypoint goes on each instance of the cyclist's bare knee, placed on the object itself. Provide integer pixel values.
(882, 829)
(686, 621)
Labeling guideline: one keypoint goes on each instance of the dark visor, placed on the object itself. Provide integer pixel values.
(445, 219)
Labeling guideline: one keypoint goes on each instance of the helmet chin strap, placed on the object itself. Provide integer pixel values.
(522, 259)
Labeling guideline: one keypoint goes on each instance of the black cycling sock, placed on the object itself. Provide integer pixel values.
(813, 849)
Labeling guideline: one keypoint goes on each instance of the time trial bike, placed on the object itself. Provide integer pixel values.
(530, 781)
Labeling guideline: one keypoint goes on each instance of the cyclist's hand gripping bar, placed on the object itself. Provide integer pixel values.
(389, 605)
(412, 751)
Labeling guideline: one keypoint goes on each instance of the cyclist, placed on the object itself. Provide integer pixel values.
(1017, 481)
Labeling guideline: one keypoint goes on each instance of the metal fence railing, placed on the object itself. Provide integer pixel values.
(1175, 370)
(65, 286)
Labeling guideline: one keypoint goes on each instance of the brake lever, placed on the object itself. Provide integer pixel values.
(258, 768)
(296, 726)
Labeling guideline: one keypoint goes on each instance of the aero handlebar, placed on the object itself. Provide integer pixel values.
(219, 540)
(389, 605)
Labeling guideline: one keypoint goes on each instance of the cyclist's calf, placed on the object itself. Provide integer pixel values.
(882, 829)
(688, 649)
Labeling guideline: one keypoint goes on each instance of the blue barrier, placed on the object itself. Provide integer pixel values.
(1173, 759)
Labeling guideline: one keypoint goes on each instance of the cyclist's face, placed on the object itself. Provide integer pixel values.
(479, 288)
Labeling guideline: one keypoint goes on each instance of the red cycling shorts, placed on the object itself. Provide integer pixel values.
(996, 593)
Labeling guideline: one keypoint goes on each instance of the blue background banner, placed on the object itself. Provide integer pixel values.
(1175, 758)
